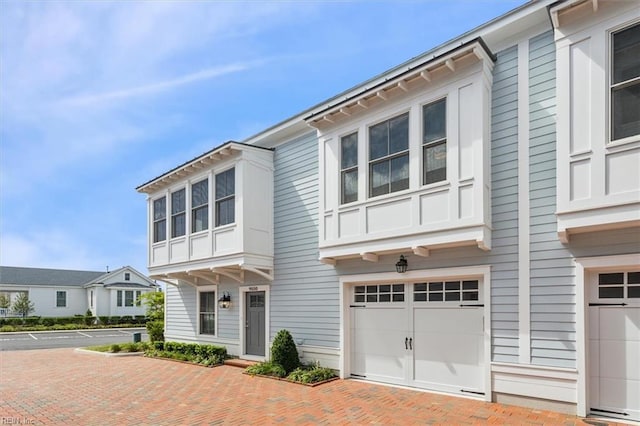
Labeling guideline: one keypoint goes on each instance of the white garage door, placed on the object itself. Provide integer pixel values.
(614, 345)
(427, 335)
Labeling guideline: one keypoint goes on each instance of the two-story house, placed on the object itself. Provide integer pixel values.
(467, 222)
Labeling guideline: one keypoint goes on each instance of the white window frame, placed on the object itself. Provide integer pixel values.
(177, 214)
(119, 298)
(350, 169)
(133, 303)
(154, 235)
(63, 292)
(388, 157)
(430, 144)
(207, 289)
(611, 86)
(127, 276)
(199, 207)
(225, 198)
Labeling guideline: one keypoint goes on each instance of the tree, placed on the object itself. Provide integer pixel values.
(154, 301)
(5, 302)
(22, 305)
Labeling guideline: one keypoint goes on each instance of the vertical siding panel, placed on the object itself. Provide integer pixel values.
(504, 207)
(304, 293)
(553, 325)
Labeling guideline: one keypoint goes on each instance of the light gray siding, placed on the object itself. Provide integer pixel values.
(553, 308)
(304, 293)
(504, 207)
(180, 306)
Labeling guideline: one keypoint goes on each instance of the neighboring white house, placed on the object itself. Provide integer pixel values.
(501, 166)
(61, 293)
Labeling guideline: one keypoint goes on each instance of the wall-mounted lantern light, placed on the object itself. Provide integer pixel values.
(225, 301)
(401, 265)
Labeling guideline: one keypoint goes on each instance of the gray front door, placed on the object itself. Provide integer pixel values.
(254, 327)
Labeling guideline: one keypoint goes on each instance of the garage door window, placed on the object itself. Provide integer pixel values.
(379, 293)
(619, 285)
(446, 291)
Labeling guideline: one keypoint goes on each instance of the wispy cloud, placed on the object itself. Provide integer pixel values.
(155, 88)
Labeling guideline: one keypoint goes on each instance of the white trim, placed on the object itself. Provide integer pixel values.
(200, 289)
(482, 272)
(242, 292)
(584, 266)
(524, 256)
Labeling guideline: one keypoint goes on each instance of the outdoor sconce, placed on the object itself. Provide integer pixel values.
(401, 265)
(225, 301)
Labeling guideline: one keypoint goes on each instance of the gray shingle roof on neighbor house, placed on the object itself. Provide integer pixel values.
(46, 277)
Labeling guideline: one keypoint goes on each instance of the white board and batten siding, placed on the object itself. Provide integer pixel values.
(304, 293)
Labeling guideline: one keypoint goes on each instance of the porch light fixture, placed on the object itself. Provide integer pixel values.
(401, 265)
(225, 301)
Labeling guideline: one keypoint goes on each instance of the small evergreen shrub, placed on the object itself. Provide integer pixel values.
(115, 348)
(313, 374)
(284, 351)
(48, 321)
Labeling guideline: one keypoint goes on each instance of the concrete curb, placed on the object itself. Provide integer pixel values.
(72, 331)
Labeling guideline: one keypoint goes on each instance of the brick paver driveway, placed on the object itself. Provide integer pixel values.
(60, 386)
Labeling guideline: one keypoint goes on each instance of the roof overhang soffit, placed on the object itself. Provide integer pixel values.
(214, 276)
(564, 7)
(381, 91)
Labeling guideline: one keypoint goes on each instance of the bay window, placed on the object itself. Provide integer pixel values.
(160, 219)
(178, 213)
(434, 140)
(200, 206)
(349, 168)
(389, 156)
(625, 83)
(225, 197)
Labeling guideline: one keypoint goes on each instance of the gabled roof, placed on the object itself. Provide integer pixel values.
(126, 284)
(46, 277)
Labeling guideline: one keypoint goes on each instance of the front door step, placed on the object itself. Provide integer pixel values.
(242, 363)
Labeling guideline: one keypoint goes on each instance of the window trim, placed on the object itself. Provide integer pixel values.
(611, 86)
(179, 213)
(119, 298)
(425, 145)
(388, 157)
(154, 235)
(207, 289)
(126, 292)
(204, 206)
(58, 293)
(217, 200)
(344, 171)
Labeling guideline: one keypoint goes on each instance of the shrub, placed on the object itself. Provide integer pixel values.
(284, 352)
(6, 328)
(155, 329)
(104, 320)
(115, 348)
(158, 345)
(48, 321)
(311, 375)
(268, 368)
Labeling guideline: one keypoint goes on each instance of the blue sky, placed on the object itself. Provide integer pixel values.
(98, 97)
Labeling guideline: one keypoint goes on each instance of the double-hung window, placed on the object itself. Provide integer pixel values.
(389, 156)
(225, 197)
(160, 219)
(434, 141)
(200, 206)
(208, 312)
(61, 299)
(178, 213)
(349, 168)
(119, 298)
(128, 298)
(625, 83)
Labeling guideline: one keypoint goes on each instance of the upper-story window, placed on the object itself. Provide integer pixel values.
(349, 168)
(225, 197)
(389, 156)
(127, 276)
(200, 206)
(160, 219)
(625, 83)
(178, 216)
(434, 140)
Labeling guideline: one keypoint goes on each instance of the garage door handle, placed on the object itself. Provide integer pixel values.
(411, 343)
(406, 343)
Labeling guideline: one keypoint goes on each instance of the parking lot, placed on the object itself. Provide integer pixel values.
(67, 339)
